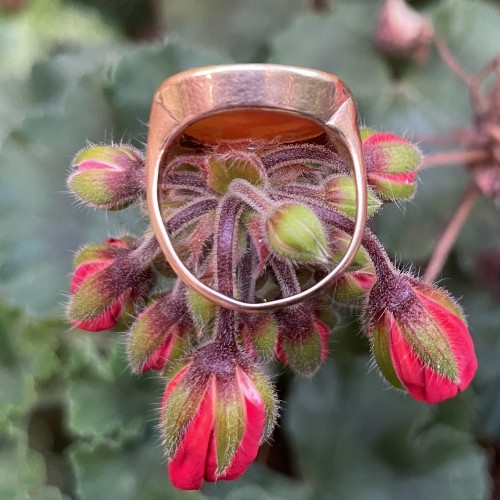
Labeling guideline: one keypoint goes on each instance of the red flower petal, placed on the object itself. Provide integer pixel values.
(383, 137)
(187, 468)
(254, 428)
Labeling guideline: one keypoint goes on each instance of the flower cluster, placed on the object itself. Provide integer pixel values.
(257, 221)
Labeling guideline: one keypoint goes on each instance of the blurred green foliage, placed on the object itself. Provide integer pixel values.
(73, 422)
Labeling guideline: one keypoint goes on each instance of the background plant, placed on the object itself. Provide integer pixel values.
(58, 439)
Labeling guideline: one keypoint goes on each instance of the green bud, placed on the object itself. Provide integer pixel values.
(223, 170)
(340, 192)
(295, 232)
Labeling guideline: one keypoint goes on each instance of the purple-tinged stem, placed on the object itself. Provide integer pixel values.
(228, 216)
(305, 153)
(144, 254)
(286, 277)
(195, 161)
(251, 195)
(189, 213)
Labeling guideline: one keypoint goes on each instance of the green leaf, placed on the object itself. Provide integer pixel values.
(133, 472)
(398, 450)
(243, 30)
(17, 388)
(129, 401)
(22, 471)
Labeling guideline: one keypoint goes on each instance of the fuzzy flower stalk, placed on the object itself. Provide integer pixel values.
(256, 221)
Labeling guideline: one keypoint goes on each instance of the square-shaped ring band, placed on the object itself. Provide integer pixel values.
(246, 101)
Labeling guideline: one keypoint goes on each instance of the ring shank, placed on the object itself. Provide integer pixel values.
(186, 99)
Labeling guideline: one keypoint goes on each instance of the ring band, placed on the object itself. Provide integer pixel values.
(235, 102)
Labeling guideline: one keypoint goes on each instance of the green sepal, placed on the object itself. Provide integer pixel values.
(340, 193)
(390, 190)
(399, 156)
(182, 405)
(295, 232)
(202, 310)
(229, 423)
(262, 333)
(379, 341)
(268, 395)
(347, 290)
(93, 186)
(431, 344)
(221, 172)
(304, 356)
(90, 300)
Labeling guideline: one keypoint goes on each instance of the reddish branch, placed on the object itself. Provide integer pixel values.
(450, 234)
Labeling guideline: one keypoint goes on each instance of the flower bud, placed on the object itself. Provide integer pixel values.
(160, 333)
(401, 30)
(202, 310)
(108, 177)
(294, 231)
(260, 335)
(351, 288)
(419, 339)
(215, 414)
(340, 193)
(105, 283)
(391, 165)
(222, 169)
(339, 243)
(302, 341)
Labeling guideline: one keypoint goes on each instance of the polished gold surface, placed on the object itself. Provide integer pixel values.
(270, 102)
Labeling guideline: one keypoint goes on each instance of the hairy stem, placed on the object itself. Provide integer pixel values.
(286, 277)
(189, 213)
(252, 196)
(228, 216)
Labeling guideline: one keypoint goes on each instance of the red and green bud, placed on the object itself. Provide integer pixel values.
(352, 288)
(215, 415)
(340, 192)
(106, 283)
(391, 164)
(108, 177)
(202, 310)
(295, 232)
(302, 341)
(260, 335)
(339, 243)
(162, 332)
(420, 340)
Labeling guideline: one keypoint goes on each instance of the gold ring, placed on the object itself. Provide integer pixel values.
(265, 101)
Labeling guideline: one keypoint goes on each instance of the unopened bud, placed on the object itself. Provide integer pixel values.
(401, 30)
(108, 177)
(260, 334)
(295, 232)
(419, 339)
(391, 164)
(302, 341)
(223, 169)
(105, 283)
(340, 193)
